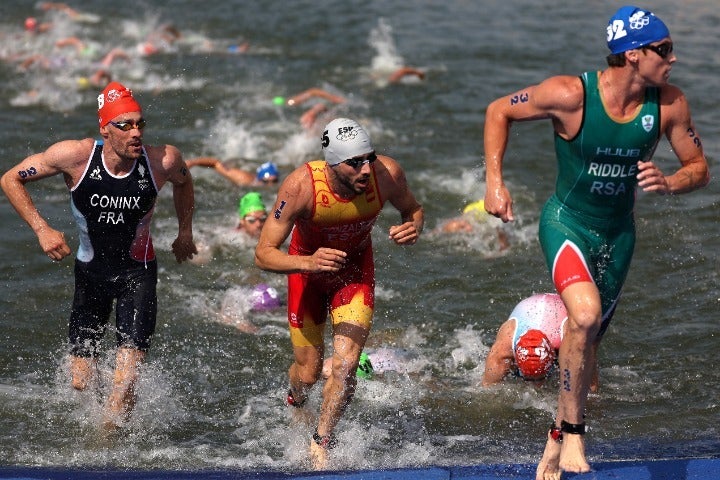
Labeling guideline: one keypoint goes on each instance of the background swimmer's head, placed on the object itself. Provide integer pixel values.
(264, 297)
(534, 356)
(476, 210)
(253, 214)
(249, 203)
(268, 173)
(31, 24)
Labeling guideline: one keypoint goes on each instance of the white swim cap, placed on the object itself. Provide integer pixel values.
(344, 138)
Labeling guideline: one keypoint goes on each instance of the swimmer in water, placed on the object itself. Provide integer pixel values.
(252, 213)
(265, 174)
(527, 343)
(473, 215)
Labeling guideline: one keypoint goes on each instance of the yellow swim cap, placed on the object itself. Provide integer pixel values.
(477, 209)
(83, 83)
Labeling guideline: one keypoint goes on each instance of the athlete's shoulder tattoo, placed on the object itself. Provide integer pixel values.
(32, 171)
(279, 210)
(695, 137)
(521, 97)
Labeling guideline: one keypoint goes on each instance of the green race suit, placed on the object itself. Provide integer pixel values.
(587, 229)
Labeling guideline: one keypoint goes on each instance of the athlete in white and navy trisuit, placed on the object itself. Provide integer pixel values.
(113, 186)
(115, 259)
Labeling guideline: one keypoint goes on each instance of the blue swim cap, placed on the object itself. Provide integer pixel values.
(633, 27)
(267, 170)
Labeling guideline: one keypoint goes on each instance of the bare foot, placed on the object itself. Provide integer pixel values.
(572, 456)
(83, 372)
(107, 434)
(318, 456)
(112, 422)
(299, 413)
(549, 466)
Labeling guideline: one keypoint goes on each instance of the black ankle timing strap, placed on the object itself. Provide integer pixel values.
(556, 433)
(325, 441)
(573, 428)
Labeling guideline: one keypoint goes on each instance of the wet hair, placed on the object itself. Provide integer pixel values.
(616, 59)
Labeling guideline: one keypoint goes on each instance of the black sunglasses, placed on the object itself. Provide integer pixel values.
(663, 50)
(357, 162)
(129, 125)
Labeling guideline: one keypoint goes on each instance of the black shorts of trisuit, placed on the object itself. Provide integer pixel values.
(134, 292)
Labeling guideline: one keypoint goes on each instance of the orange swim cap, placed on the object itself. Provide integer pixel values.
(115, 100)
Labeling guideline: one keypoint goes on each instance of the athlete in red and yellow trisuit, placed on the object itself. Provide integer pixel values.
(344, 225)
(330, 207)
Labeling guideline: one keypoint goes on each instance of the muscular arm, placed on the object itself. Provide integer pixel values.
(208, 162)
(680, 131)
(172, 168)
(294, 201)
(394, 187)
(236, 175)
(557, 98)
(402, 72)
(306, 95)
(67, 157)
(500, 359)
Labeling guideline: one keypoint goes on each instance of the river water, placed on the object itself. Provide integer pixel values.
(211, 396)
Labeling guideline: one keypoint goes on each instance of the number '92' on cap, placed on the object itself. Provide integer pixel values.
(633, 27)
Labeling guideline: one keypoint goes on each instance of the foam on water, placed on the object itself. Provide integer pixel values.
(212, 396)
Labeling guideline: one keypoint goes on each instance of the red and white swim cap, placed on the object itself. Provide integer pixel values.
(115, 100)
(534, 356)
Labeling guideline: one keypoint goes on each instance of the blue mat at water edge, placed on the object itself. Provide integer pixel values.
(676, 469)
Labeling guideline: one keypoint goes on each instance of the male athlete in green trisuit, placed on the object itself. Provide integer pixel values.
(607, 125)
